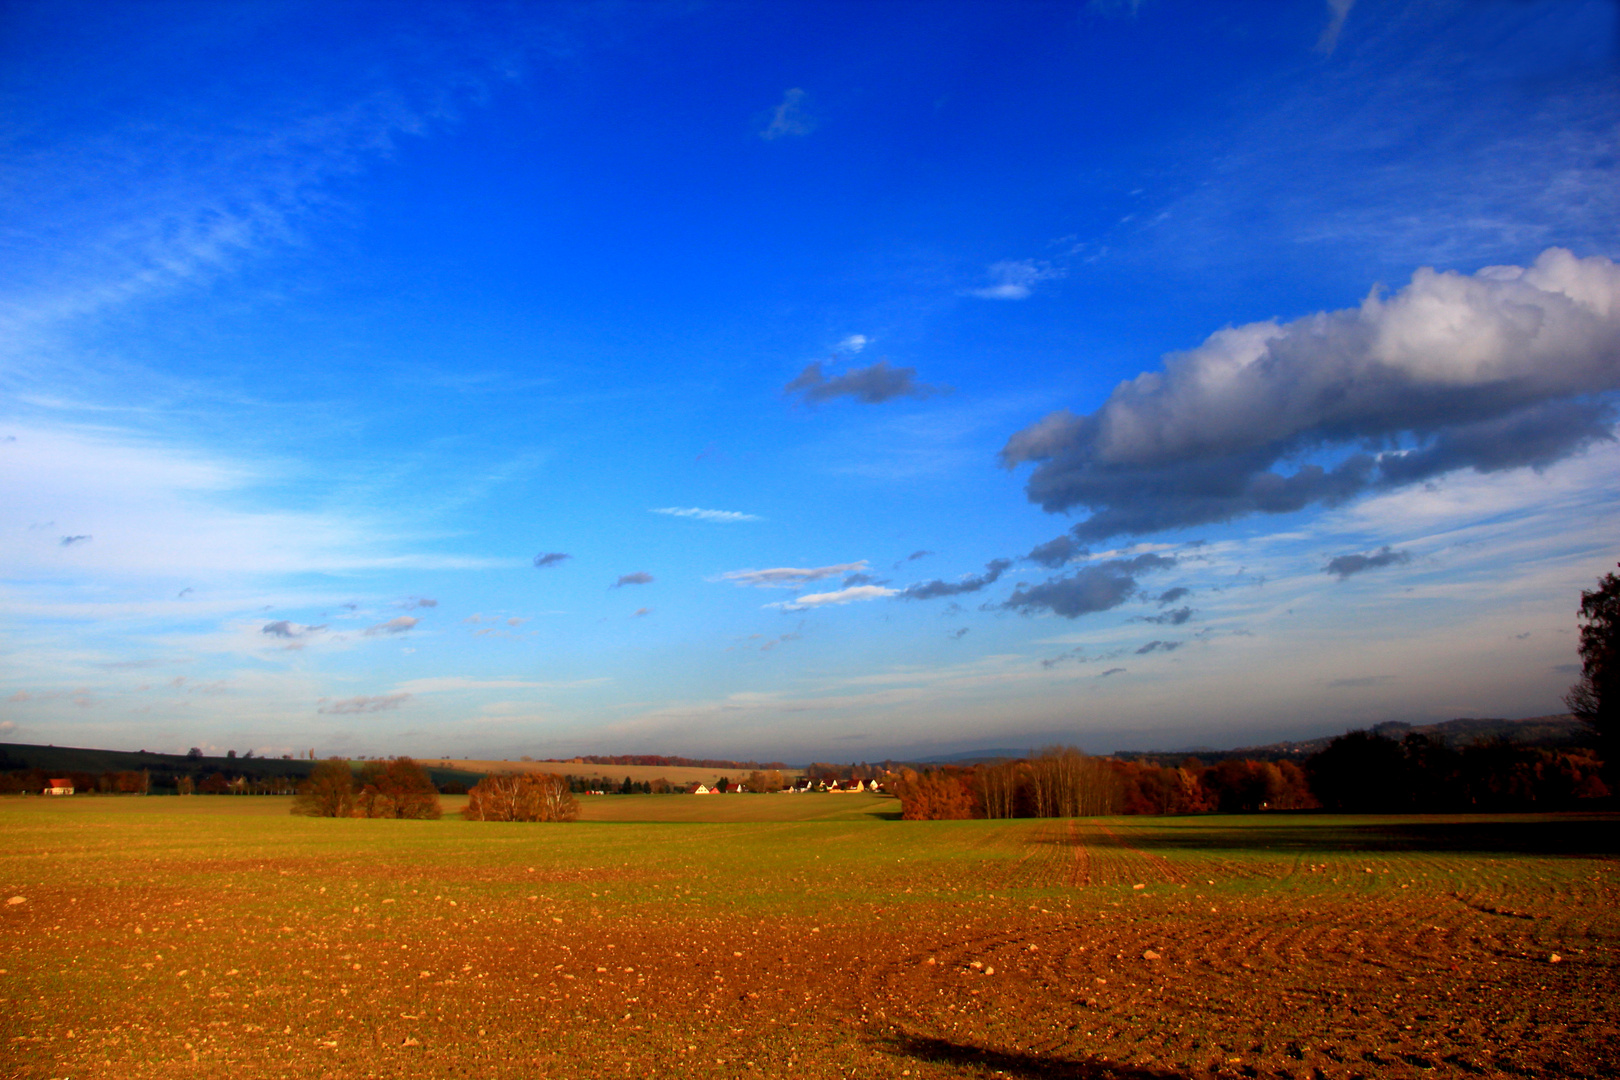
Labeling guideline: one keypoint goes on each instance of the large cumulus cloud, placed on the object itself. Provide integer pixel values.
(1497, 370)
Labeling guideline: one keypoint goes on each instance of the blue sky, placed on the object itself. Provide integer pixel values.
(799, 381)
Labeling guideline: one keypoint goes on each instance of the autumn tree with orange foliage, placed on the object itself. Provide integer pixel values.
(399, 788)
(935, 795)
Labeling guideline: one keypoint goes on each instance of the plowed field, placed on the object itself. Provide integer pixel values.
(209, 937)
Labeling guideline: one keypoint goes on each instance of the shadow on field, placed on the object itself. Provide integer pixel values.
(1549, 835)
(1030, 1065)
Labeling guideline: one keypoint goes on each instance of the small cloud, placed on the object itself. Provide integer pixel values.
(1097, 587)
(7, 726)
(706, 515)
(1159, 646)
(1522, 637)
(930, 590)
(19, 697)
(1014, 279)
(393, 626)
(355, 705)
(420, 602)
(789, 577)
(185, 592)
(842, 596)
(69, 541)
(853, 344)
(872, 385)
(1110, 671)
(789, 118)
(774, 642)
(958, 634)
(1567, 669)
(1116, 8)
(640, 577)
(1170, 596)
(639, 612)
(1059, 551)
(281, 628)
(550, 558)
(515, 621)
(1174, 617)
(1361, 680)
(1345, 565)
(915, 555)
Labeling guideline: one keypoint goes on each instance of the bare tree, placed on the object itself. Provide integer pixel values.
(521, 797)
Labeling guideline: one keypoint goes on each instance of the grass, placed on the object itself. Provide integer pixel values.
(806, 935)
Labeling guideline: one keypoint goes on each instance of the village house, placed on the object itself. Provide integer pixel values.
(60, 787)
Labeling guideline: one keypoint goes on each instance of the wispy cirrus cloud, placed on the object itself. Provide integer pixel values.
(357, 706)
(789, 118)
(723, 516)
(550, 558)
(789, 577)
(1015, 279)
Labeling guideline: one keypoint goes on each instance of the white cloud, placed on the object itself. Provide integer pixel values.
(1493, 372)
(397, 625)
(789, 118)
(788, 577)
(842, 596)
(451, 683)
(854, 343)
(1014, 279)
(705, 515)
(357, 705)
(1339, 10)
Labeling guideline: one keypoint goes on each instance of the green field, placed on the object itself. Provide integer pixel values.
(803, 935)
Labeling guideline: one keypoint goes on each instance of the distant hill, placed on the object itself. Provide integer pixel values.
(1558, 730)
(70, 759)
(973, 757)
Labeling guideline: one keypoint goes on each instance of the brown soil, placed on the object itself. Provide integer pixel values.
(1178, 978)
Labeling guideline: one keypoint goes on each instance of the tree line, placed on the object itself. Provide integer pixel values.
(672, 762)
(1358, 772)
(145, 782)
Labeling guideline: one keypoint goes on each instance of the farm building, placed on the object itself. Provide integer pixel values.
(62, 786)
